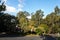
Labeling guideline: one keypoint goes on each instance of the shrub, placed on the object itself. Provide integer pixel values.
(38, 31)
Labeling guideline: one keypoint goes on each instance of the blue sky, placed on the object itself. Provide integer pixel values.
(14, 6)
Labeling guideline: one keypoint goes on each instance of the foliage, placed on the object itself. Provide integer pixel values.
(7, 22)
(23, 20)
(44, 28)
(2, 7)
(53, 20)
(49, 24)
(37, 17)
(38, 31)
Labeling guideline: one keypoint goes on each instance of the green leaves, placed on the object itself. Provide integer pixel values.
(38, 31)
(53, 20)
(23, 20)
(50, 24)
(37, 17)
(2, 7)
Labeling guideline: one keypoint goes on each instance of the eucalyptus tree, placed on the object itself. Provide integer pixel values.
(23, 20)
(37, 18)
(53, 20)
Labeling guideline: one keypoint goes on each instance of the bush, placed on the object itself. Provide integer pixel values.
(38, 31)
(44, 28)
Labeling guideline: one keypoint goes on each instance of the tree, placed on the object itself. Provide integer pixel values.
(37, 18)
(44, 28)
(57, 10)
(2, 7)
(7, 22)
(53, 20)
(23, 20)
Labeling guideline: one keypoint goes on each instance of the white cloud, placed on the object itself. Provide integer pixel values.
(10, 9)
(21, 5)
(4, 1)
(13, 9)
(29, 17)
(19, 10)
(21, 1)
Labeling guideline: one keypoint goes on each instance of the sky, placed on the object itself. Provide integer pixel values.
(14, 6)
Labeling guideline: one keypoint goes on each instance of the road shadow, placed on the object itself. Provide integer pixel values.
(58, 38)
(48, 37)
(11, 35)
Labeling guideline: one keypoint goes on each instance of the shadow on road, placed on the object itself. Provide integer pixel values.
(43, 37)
(11, 35)
(48, 37)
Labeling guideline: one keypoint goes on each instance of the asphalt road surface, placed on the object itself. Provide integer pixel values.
(20, 38)
(17, 37)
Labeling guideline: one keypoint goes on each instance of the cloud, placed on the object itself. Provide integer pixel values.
(21, 5)
(10, 9)
(20, 9)
(13, 9)
(29, 17)
(4, 1)
(21, 1)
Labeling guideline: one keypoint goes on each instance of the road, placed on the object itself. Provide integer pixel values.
(20, 38)
(15, 37)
